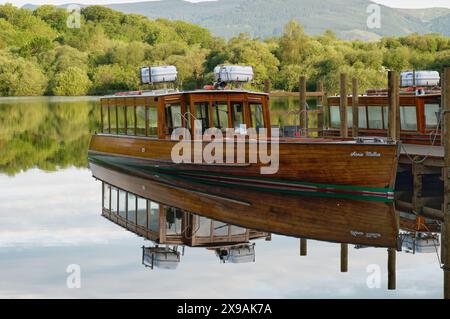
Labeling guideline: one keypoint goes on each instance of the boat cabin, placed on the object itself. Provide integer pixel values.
(157, 113)
(165, 225)
(419, 115)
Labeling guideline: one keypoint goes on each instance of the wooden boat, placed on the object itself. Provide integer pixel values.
(137, 128)
(419, 115)
(328, 219)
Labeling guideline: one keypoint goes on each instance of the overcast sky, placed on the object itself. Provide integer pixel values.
(391, 3)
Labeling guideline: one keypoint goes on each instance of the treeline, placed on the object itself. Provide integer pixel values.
(41, 55)
(46, 134)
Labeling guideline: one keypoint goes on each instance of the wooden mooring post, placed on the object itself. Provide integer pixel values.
(343, 105)
(267, 86)
(320, 108)
(303, 117)
(393, 133)
(355, 108)
(446, 208)
(344, 257)
(303, 247)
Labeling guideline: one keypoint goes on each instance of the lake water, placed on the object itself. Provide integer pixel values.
(51, 221)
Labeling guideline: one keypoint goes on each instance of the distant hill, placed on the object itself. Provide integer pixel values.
(266, 18)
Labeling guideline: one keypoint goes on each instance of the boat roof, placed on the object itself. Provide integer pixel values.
(168, 92)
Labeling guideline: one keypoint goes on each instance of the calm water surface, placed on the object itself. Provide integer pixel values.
(51, 217)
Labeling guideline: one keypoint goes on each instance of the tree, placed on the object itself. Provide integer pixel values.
(19, 77)
(71, 82)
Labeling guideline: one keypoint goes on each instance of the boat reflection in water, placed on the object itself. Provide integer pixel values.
(174, 213)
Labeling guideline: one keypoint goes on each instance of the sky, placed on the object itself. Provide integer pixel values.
(390, 3)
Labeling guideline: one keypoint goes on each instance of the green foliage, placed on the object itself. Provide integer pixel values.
(19, 77)
(40, 54)
(72, 81)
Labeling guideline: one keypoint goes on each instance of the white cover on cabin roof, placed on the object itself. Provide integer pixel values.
(423, 78)
(233, 73)
(159, 74)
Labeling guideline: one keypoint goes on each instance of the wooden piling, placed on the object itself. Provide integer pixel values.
(344, 257)
(267, 86)
(392, 254)
(320, 108)
(343, 106)
(417, 200)
(394, 105)
(303, 247)
(303, 115)
(355, 108)
(446, 208)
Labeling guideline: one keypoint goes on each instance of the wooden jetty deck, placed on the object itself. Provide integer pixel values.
(423, 176)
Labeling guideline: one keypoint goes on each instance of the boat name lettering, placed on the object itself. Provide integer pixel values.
(365, 154)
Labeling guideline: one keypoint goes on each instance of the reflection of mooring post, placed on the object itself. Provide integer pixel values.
(355, 108)
(391, 268)
(344, 257)
(303, 112)
(303, 247)
(343, 106)
(446, 208)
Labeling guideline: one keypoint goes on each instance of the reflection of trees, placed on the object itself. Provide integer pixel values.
(45, 133)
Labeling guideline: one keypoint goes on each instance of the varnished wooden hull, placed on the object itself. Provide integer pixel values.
(328, 219)
(316, 168)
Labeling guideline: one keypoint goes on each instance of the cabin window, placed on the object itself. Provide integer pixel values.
(140, 120)
(106, 196)
(122, 204)
(201, 113)
(257, 116)
(220, 114)
(220, 229)
(114, 192)
(362, 118)
(173, 117)
(386, 117)
(431, 115)
(350, 117)
(141, 212)
(121, 118)
(237, 114)
(408, 118)
(174, 218)
(153, 216)
(130, 120)
(335, 118)
(105, 119)
(113, 119)
(236, 230)
(131, 208)
(152, 118)
(375, 117)
(203, 227)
